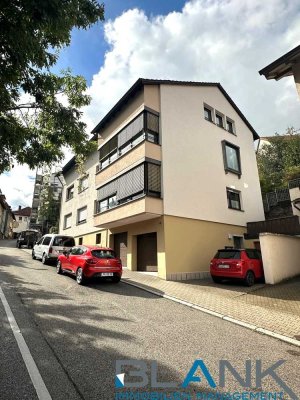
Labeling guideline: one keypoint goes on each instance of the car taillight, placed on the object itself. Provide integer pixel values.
(240, 264)
(50, 250)
(91, 261)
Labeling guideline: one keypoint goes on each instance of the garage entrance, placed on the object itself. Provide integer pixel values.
(147, 252)
(120, 247)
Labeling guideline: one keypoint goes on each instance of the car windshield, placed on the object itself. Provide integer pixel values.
(234, 254)
(103, 253)
(63, 241)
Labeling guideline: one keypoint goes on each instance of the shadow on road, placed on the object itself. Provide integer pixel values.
(84, 339)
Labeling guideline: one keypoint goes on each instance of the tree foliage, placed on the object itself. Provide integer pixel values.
(39, 110)
(279, 160)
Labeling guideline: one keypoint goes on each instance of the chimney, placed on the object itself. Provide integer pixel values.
(20, 208)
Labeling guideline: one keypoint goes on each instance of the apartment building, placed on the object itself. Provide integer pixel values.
(46, 200)
(176, 177)
(77, 203)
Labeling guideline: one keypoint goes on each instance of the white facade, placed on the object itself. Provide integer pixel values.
(23, 223)
(77, 204)
(194, 179)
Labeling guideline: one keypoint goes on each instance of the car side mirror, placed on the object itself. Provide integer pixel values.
(66, 253)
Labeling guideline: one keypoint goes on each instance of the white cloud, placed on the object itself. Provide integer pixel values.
(17, 186)
(225, 41)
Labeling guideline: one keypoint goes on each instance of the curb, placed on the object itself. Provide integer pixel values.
(246, 325)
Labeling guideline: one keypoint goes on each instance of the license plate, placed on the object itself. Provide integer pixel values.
(107, 274)
(223, 266)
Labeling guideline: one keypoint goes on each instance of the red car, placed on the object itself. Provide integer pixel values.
(243, 264)
(90, 261)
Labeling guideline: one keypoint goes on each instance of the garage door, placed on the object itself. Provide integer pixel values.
(120, 247)
(147, 252)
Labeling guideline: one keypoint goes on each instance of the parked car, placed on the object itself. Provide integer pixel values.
(243, 264)
(27, 238)
(50, 246)
(89, 262)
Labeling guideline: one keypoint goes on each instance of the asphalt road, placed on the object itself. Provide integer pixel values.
(75, 335)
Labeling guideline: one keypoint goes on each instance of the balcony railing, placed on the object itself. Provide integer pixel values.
(286, 225)
(144, 127)
(295, 183)
(145, 179)
(271, 199)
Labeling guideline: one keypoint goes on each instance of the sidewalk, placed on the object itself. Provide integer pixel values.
(275, 308)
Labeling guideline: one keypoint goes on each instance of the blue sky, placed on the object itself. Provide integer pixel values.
(86, 53)
(226, 41)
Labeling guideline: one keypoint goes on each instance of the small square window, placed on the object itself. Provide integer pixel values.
(67, 221)
(80, 241)
(83, 183)
(219, 121)
(98, 238)
(208, 114)
(70, 193)
(233, 199)
(81, 215)
(230, 125)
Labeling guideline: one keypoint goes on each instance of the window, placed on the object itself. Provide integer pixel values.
(81, 215)
(63, 241)
(231, 155)
(208, 114)
(46, 240)
(219, 120)
(144, 179)
(67, 221)
(144, 126)
(70, 193)
(83, 183)
(230, 125)
(233, 199)
(98, 238)
(20, 218)
(80, 240)
(106, 254)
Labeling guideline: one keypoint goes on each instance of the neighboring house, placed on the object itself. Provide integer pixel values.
(7, 219)
(177, 177)
(286, 65)
(46, 201)
(77, 203)
(22, 218)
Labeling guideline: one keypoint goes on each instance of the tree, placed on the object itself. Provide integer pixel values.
(279, 161)
(39, 110)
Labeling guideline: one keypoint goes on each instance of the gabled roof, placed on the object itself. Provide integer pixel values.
(137, 86)
(26, 212)
(282, 66)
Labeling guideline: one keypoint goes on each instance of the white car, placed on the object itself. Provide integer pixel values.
(50, 246)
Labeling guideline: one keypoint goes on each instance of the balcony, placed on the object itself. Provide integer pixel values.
(144, 127)
(286, 226)
(137, 187)
(138, 210)
(140, 152)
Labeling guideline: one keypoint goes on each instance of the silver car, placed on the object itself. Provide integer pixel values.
(50, 246)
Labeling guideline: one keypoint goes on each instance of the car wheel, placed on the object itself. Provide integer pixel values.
(249, 278)
(44, 259)
(33, 255)
(58, 268)
(116, 279)
(79, 276)
(216, 279)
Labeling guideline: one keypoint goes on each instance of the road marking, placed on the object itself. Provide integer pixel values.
(37, 380)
